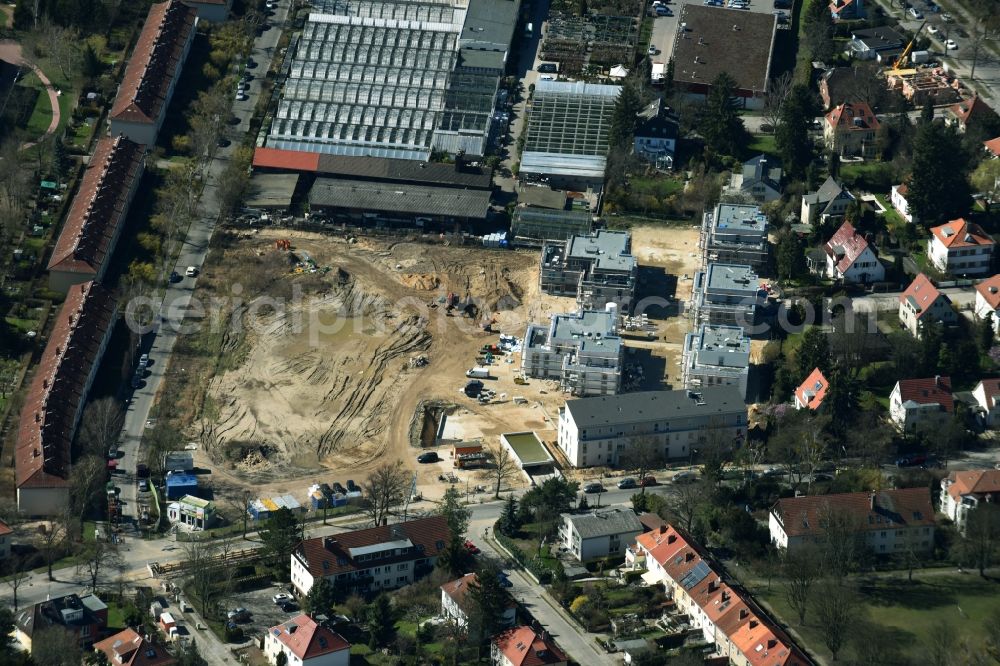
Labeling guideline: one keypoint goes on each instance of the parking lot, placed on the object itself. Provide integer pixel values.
(264, 613)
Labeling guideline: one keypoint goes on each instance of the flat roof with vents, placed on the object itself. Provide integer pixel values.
(723, 346)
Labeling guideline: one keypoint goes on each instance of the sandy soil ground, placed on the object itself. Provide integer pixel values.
(326, 390)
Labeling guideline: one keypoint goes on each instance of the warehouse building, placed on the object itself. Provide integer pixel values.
(582, 351)
(567, 134)
(597, 268)
(386, 78)
(387, 204)
(716, 356)
(735, 234)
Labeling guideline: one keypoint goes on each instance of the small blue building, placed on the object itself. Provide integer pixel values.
(179, 485)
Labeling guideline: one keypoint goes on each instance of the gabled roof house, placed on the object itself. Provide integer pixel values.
(811, 392)
(922, 304)
(921, 402)
(850, 129)
(829, 202)
(304, 642)
(850, 258)
(129, 648)
(988, 300)
(963, 491)
(523, 646)
(961, 248)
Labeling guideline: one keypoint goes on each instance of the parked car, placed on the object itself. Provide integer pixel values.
(241, 96)
(174, 277)
(626, 483)
(915, 13)
(289, 607)
(352, 487)
(471, 547)
(652, 50)
(548, 68)
(142, 471)
(113, 452)
(428, 457)
(685, 477)
(281, 598)
(144, 360)
(337, 488)
(239, 615)
(143, 486)
(592, 488)
(822, 476)
(504, 580)
(932, 30)
(192, 271)
(951, 45)
(911, 460)
(648, 481)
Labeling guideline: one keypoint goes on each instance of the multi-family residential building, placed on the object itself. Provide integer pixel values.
(987, 396)
(54, 403)
(129, 648)
(760, 179)
(850, 257)
(456, 604)
(96, 216)
(523, 646)
(922, 305)
(582, 351)
(811, 392)
(153, 71)
(716, 356)
(898, 198)
(921, 403)
(6, 537)
(850, 130)
(735, 234)
(961, 248)
(370, 560)
(85, 617)
(726, 295)
(599, 533)
(656, 135)
(304, 642)
(726, 615)
(988, 300)
(597, 269)
(964, 491)
(829, 202)
(597, 431)
(890, 521)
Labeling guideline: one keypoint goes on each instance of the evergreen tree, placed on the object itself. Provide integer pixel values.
(792, 134)
(489, 600)
(508, 523)
(814, 352)
(24, 17)
(818, 30)
(668, 79)
(380, 622)
(985, 333)
(927, 112)
(189, 656)
(281, 533)
(790, 255)
(455, 556)
(321, 598)
(939, 183)
(625, 116)
(833, 164)
(720, 124)
(931, 337)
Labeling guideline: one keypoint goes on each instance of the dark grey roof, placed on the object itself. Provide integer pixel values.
(476, 59)
(605, 522)
(633, 407)
(269, 190)
(878, 39)
(828, 191)
(407, 171)
(489, 24)
(657, 121)
(400, 198)
(542, 197)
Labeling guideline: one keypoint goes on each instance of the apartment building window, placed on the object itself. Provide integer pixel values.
(402, 567)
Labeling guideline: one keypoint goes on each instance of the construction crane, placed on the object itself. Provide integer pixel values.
(901, 60)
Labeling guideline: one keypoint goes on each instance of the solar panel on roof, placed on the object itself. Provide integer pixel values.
(696, 575)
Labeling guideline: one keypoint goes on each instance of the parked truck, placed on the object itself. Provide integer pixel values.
(478, 372)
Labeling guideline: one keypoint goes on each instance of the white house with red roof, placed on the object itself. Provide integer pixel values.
(988, 300)
(987, 395)
(963, 491)
(522, 646)
(992, 148)
(921, 402)
(455, 601)
(6, 536)
(306, 643)
(898, 198)
(922, 303)
(850, 258)
(966, 112)
(850, 129)
(961, 248)
(810, 393)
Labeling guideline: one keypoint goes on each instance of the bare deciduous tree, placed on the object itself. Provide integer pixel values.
(778, 88)
(385, 489)
(505, 467)
(800, 572)
(835, 607)
(17, 577)
(100, 559)
(642, 455)
(684, 505)
(52, 541)
(101, 426)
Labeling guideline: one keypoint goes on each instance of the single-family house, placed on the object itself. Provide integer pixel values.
(921, 403)
(963, 491)
(898, 199)
(6, 537)
(890, 521)
(923, 304)
(881, 43)
(850, 130)
(988, 300)
(760, 178)
(847, 10)
(811, 392)
(656, 135)
(987, 395)
(961, 248)
(523, 646)
(600, 533)
(850, 258)
(456, 604)
(304, 642)
(829, 202)
(968, 113)
(84, 616)
(130, 648)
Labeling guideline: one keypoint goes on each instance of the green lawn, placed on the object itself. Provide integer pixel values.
(912, 613)
(659, 187)
(893, 219)
(762, 143)
(41, 116)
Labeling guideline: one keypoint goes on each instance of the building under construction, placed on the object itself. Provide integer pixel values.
(734, 234)
(582, 351)
(726, 295)
(924, 84)
(597, 268)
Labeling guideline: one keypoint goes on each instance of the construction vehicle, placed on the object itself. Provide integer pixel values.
(520, 380)
(488, 325)
(283, 244)
(901, 60)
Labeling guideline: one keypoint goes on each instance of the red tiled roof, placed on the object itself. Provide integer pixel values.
(904, 507)
(155, 61)
(853, 116)
(930, 391)
(52, 406)
(308, 640)
(903, 189)
(923, 293)
(959, 233)
(846, 246)
(993, 146)
(277, 158)
(730, 608)
(326, 556)
(458, 589)
(990, 289)
(974, 482)
(964, 110)
(5, 529)
(128, 648)
(523, 647)
(98, 210)
(991, 389)
(812, 391)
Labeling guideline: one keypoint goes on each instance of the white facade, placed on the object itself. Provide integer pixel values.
(716, 356)
(577, 533)
(273, 647)
(898, 200)
(452, 610)
(989, 407)
(892, 539)
(909, 415)
(962, 260)
(865, 268)
(582, 351)
(984, 310)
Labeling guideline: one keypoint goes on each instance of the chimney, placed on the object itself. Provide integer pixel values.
(329, 542)
(937, 381)
(744, 613)
(761, 169)
(671, 538)
(753, 624)
(688, 557)
(663, 529)
(871, 500)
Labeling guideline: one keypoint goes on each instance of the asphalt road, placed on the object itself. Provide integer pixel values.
(160, 342)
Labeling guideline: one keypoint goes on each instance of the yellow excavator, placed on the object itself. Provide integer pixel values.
(901, 60)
